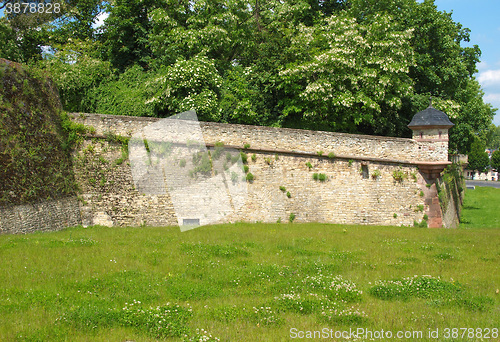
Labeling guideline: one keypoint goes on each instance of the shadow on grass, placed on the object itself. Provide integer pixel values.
(471, 207)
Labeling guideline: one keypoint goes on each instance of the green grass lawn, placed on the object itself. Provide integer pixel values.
(247, 282)
(481, 208)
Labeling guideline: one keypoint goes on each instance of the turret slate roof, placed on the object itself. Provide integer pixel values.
(430, 117)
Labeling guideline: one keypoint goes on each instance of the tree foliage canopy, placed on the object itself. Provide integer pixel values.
(359, 66)
(478, 158)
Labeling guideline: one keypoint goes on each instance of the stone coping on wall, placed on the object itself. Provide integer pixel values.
(147, 120)
(426, 165)
(350, 146)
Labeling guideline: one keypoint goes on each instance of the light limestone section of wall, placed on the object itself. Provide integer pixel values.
(351, 145)
(344, 198)
(358, 146)
(108, 193)
(47, 215)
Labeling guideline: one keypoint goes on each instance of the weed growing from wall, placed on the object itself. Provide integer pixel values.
(320, 177)
(399, 175)
(244, 158)
(218, 150)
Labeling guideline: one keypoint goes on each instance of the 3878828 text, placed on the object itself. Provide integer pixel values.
(477, 333)
(32, 7)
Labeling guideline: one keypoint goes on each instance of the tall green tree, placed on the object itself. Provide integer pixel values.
(478, 158)
(350, 74)
(77, 72)
(443, 67)
(495, 160)
(125, 33)
(492, 137)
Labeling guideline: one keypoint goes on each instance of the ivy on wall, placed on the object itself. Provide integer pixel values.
(36, 138)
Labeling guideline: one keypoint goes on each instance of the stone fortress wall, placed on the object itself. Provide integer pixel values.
(362, 186)
(43, 216)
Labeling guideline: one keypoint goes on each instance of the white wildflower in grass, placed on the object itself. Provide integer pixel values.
(334, 286)
(341, 314)
(264, 315)
(437, 291)
(201, 335)
(169, 320)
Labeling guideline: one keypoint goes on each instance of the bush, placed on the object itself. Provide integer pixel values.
(282, 188)
(309, 165)
(291, 218)
(331, 155)
(288, 194)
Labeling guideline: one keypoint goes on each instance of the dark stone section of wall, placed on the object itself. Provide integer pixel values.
(43, 216)
(450, 194)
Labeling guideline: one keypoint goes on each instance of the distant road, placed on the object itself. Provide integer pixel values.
(492, 184)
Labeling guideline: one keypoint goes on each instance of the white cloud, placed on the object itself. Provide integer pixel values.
(489, 77)
(490, 98)
(494, 99)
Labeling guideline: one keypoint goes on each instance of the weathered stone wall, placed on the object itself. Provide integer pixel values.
(450, 192)
(343, 145)
(43, 216)
(347, 196)
(108, 193)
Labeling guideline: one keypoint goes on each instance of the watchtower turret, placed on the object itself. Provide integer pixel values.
(430, 130)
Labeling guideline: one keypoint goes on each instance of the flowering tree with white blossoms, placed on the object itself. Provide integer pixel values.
(187, 85)
(348, 73)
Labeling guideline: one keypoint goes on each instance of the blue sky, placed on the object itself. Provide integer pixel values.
(481, 17)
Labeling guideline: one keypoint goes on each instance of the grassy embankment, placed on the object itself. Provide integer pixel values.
(481, 208)
(249, 282)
